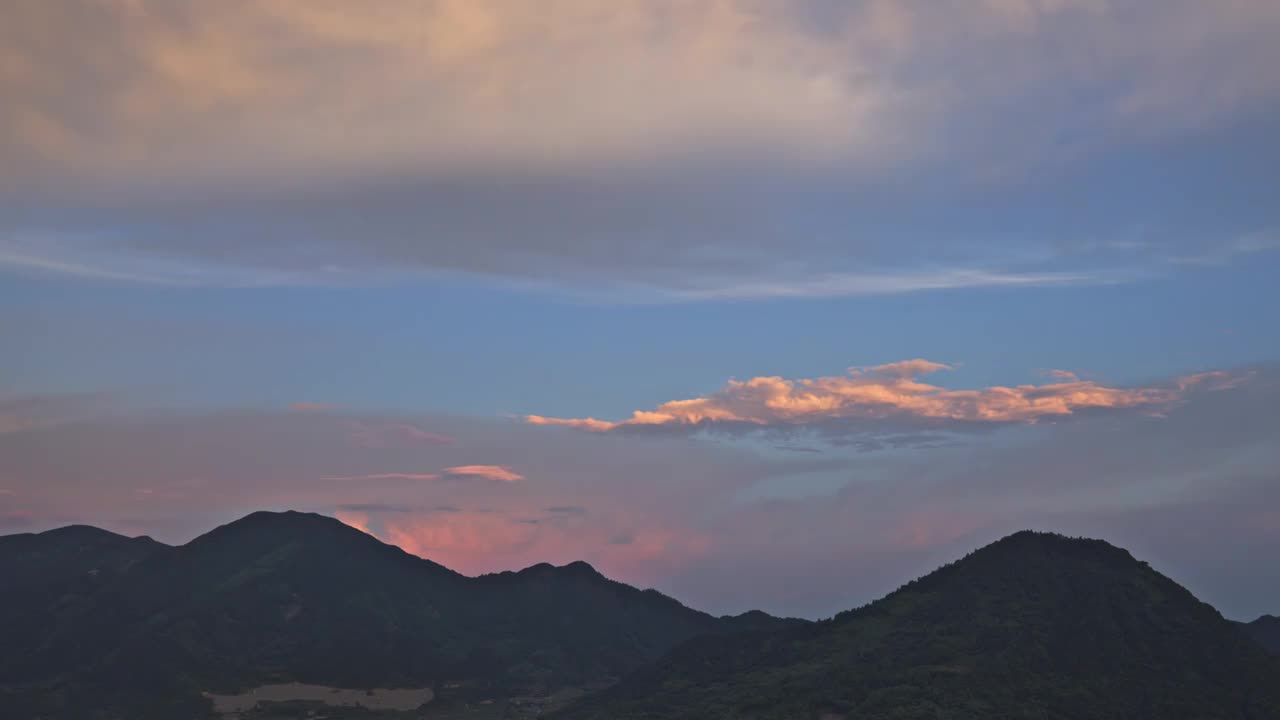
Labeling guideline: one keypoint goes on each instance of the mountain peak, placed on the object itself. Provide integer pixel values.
(577, 567)
(1034, 544)
(286, 523)
(292, 517)
(1053, 541)
(82, 532)
(581, 567)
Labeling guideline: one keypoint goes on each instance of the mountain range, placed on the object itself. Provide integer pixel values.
(98, 625)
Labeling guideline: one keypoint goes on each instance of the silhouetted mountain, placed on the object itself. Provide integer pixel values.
(44, 576)
(277, 597)
(1032, 626)
(1265, 631)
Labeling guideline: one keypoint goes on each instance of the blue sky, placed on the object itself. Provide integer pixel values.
(486, 351)
(739, 282)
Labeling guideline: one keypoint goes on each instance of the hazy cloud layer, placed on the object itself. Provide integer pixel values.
(722, 527)
(162, 91)
(643, 151)
(32, 412)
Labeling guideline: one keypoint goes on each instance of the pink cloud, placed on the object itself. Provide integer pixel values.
(393, 434)
(1065, 375)
(1213, 380)
(637, 548)
(465, 541)
(387, 476)
(893, 392)
(359, 521)
(501, 473)
(16, 519)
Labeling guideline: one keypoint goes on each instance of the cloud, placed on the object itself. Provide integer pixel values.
(374, 507)
(394, 434)
(17, 519)
(450, 83)
(474, 83)
(1065, 375)
(356, 519)
(820, 285)
(310, 407)
(1213, 380)
(888, 396)
(387, 476)
(641, 151)
(1224, 253)
(476, 542)
(500, 473)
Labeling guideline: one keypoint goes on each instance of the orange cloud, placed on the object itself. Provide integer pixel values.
(501, 473)
(892, 392)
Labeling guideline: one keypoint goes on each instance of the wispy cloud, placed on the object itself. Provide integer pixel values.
(1227, 252)
(387, 476)
(500, 473)
(310, 407)
(96, 257)
(891, 395)
(497, 473)
(394, 434)
(886, 283)
(115, 260)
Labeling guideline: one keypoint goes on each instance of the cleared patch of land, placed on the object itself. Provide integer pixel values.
(376, 699)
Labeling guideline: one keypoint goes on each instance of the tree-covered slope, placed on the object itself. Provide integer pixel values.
(1033, 626)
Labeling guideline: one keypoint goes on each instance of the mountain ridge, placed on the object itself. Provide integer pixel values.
(1032, 625)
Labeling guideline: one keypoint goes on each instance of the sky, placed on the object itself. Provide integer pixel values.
(767, 304)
